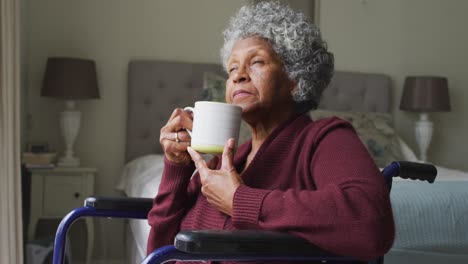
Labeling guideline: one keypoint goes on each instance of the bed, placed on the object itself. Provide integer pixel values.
(431, 220)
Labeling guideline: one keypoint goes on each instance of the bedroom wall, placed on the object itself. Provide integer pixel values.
(400, 38)
(112, 32)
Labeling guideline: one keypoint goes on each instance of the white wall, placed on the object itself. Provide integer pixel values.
(112, 32)
(400, 38)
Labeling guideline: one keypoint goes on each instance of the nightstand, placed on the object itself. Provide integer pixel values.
(55, 192)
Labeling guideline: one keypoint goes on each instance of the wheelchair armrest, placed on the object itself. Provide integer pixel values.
(245, 242)
(127, 204)
(417, 171)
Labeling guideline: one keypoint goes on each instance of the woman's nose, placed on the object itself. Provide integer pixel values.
(241, 75)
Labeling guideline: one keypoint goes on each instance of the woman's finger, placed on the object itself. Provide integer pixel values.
(175, 113)
(168, 127)
(199, 162)
(182, 135)
(174, 148)
(179, 122)
(178, 147)
(228, 154)
(178, 112)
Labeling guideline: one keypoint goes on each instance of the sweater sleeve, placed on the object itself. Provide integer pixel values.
(176, 194)
(349, 213)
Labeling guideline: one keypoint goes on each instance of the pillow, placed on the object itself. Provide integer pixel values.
(407, 153)
(375, 131)
(135, 170)
(214, 89)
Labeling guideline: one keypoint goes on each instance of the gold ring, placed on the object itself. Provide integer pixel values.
(177, 137)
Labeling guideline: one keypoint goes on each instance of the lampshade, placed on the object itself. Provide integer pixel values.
(425, 94)
(70, 78)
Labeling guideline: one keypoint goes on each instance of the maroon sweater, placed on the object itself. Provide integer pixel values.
(315, 180)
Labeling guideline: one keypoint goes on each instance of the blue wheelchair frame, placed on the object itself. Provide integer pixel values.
(241, 245)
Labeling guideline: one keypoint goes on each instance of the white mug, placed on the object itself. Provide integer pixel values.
(213, 124)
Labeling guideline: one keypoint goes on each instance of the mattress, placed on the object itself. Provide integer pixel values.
(401, 256)
(431, 219)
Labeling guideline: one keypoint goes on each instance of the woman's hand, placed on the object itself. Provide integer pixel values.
(218, 186)
(174, 139)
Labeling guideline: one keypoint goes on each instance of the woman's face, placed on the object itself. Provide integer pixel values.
(257, 81)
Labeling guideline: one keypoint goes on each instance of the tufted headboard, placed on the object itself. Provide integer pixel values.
(155, 88)
(355, 91)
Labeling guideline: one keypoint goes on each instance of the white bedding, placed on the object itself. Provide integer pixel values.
(141, 177)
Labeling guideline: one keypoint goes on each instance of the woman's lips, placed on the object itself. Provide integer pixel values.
(240, 93)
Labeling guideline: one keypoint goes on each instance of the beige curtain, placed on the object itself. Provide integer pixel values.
(11, 242)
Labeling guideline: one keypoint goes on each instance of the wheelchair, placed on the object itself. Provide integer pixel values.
(221, 245)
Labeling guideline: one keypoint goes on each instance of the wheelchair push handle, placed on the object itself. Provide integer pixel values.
(416, 171)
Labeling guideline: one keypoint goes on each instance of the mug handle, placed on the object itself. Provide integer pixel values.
(190, 109)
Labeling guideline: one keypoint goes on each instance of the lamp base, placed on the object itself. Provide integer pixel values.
(68, 162)
(70, 120)
(423, 130)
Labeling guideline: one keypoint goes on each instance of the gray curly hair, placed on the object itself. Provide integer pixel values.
(294, 38)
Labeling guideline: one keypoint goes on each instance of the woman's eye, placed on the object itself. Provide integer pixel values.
(257, 62)
(232, 69)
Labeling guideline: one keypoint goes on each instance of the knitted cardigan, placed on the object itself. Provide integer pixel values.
(313, 179)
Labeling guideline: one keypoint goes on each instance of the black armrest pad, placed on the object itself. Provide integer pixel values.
(245, 242)
(127, 204)
(417, 171)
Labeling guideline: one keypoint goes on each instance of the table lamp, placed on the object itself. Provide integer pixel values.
(70, 79)
(425, 94)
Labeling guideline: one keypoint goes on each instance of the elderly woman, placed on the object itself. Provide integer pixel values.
(313, 179)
